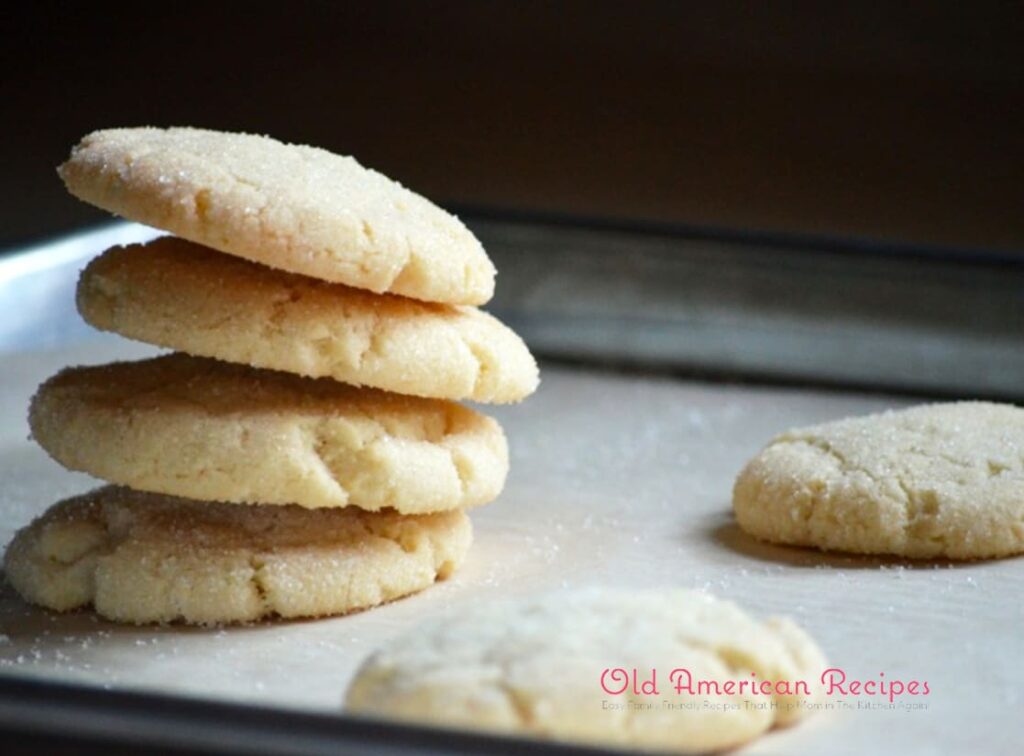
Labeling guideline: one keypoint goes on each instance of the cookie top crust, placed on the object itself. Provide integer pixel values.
(939, 480)
(548, 665)
(293, 207)
(177, 294)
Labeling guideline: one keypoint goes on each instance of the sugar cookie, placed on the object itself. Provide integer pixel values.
(203, 429)
(141, 557)
(940, 480)
(181, 295)
(553, 667)
(293, 207)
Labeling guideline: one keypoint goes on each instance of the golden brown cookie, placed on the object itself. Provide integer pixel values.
(561, 666)
(139, 557)
(181, 295)
(204, 429)
(940, 480)
(293, 207)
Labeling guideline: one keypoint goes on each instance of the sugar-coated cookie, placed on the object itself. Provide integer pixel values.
(562, 666)
(293, 207)
(178, 294)
(940, 480)
(139, 557)
(204, 429)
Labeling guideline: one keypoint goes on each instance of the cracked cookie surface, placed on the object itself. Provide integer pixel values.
(293, 207)
(210, 430)
(535, 667)
(140, 558)
(941, 480)
(181, 295)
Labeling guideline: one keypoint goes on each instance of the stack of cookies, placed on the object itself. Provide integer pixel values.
(302, 453)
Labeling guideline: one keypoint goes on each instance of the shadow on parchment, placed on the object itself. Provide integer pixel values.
(729, 536)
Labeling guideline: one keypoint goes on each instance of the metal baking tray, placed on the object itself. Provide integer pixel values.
(669, 356)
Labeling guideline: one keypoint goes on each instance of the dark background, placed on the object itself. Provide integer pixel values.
(896, 122)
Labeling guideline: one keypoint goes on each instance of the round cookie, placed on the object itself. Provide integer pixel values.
(139, 557)
(181, 295)
(552, 667)
(941, 480)
(203, 429)
(293, 207)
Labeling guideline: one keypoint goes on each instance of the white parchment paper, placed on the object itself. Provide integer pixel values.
(616, 479)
